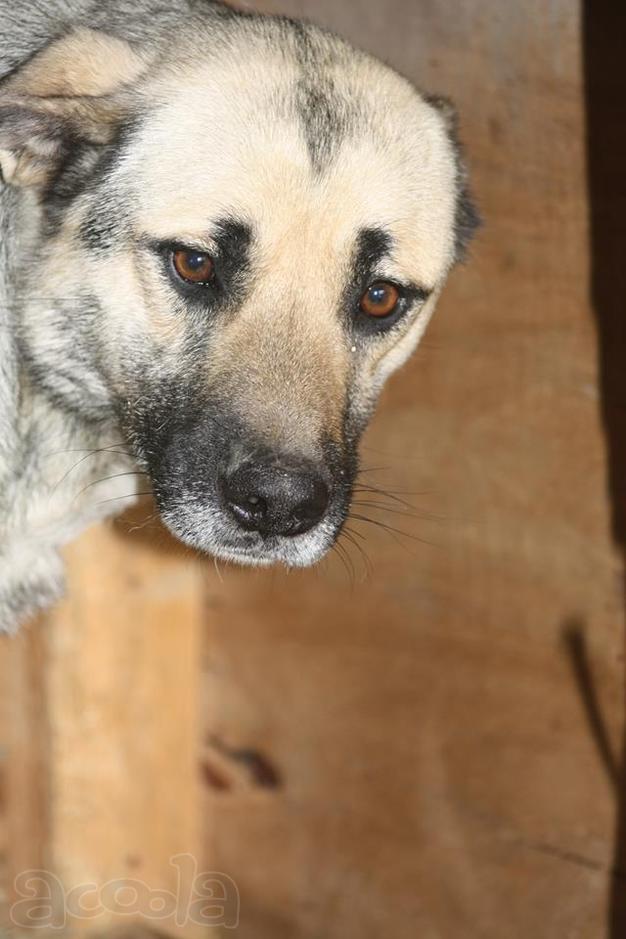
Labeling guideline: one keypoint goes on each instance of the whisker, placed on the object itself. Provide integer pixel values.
(131, 495)
(352, 566)
(110, 449)
(399, 542)
(402, 512)
(363, 471)
(369, 567)
(217, 570)
(397, 492)
(390, 529)
(394, 495)
(88, 454)
(151, 518)
(358, 534)
(396, 458)
(341, 553)
(105, 479)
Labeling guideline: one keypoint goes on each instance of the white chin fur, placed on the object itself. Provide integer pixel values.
(299, 551)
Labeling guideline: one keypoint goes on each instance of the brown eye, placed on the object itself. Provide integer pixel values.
(381, 299)
(195, 267)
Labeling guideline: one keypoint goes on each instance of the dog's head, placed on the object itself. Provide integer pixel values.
(244, 228)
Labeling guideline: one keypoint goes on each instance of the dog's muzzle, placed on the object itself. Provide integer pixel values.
(250, 504)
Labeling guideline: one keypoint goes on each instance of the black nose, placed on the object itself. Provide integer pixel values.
(274, 499)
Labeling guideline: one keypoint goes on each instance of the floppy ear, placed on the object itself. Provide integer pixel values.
(71, 91)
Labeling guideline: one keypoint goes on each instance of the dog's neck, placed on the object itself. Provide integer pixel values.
(55, 466)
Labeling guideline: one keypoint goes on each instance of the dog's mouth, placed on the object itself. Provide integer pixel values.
(304, 551)
(225, 493)
(259, 512)
(208, 528)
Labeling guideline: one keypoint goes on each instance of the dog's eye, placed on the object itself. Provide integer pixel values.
(380, 299)
(194, 267)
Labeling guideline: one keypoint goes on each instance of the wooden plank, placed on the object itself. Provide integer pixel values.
(24, 833)
(122, 685)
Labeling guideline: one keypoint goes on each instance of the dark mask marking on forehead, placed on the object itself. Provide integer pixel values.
(327, 117)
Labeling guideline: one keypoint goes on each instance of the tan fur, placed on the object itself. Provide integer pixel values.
(83, 63)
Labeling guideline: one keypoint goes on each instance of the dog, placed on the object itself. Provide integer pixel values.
(221, 232)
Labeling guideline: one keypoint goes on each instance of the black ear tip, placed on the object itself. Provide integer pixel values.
(467, 219)
(446, 108)
(467, 222)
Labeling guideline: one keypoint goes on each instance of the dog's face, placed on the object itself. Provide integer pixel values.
(238, 246)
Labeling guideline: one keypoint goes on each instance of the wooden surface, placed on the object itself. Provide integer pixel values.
(432, 750)
(122, 679)
(102, 777)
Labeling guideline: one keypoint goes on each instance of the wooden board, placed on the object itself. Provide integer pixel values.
(103, 779)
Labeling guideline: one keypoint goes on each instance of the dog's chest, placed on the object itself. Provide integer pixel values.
(68, 478)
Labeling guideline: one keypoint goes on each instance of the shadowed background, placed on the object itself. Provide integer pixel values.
(424, 742)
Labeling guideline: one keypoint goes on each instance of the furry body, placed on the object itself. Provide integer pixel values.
(303, 169)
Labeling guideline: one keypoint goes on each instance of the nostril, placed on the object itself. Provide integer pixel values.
(256, 504)
(308, 512)
(249, 510)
